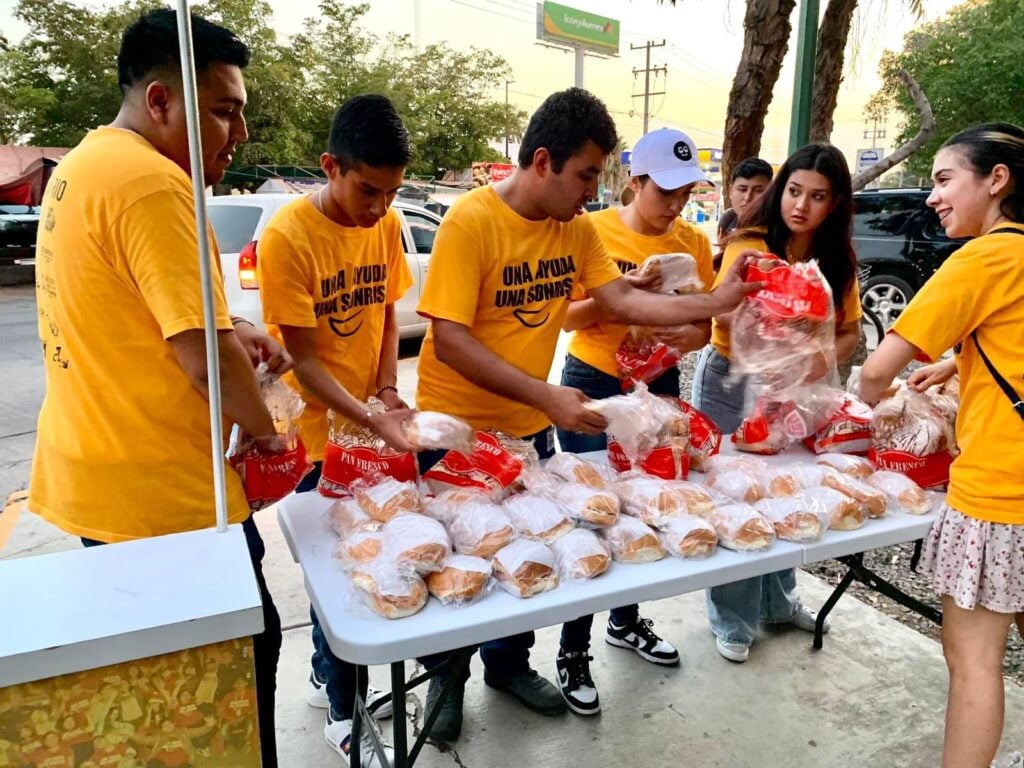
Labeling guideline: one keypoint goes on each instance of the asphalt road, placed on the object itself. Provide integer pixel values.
(22, 385)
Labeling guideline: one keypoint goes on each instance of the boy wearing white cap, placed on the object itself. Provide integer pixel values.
(664, 171)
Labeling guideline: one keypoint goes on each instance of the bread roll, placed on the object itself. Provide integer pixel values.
(446, 504)
(439, 431)
(581, 555)
(688, 537)
(793, 518)
(856, 466)
(809, 475)
(696, 497)
(901, 490)
(721, 463)
(741, 527)
(678, 272)
(480, 529)
(649, 499)
(537, 517)
(780, 481)
(589, 506)
(347, 516)
(360, 547)
(416, 541)
(573, 469)
(632, 542)
(737, 485)
(525, 568)
(387, 498)
(389, 592)
(844, 514)
(461, 580)
(871, 499)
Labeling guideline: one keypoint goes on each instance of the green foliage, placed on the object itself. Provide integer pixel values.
(968, 65)
(61, 81)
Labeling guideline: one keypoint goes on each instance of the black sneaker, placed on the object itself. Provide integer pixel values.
(532, 690)
(577, 685)
(448, 726)
(640, 636)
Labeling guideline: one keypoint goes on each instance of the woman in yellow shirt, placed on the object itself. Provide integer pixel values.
(974, 304)
(665, 171)
(806, 213)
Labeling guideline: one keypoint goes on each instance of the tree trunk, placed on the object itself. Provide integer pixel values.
(766, 32)
(828, 66)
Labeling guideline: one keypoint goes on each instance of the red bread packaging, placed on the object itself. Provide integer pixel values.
(914, 433)
(848, 430)
(494, 465)
(354, 453)
(646, 432)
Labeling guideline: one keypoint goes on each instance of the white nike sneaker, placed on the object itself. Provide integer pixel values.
(338, 734)
(376, 705)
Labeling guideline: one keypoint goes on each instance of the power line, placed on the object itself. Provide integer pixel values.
(647, 70)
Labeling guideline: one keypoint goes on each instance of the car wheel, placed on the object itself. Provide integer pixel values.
(887, 296)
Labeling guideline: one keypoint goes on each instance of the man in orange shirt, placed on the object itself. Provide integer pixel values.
(123, 446)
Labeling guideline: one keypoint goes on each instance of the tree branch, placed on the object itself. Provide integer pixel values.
(926, 131)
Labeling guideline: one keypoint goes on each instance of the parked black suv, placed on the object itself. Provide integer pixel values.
(18, 225)
(899, 245)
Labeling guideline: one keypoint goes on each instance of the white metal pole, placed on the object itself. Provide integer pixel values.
(579, 65)
(195, 153)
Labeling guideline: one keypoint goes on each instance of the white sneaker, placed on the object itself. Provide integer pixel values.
(338, 734)
(805, 619)
(316, 696)
(1012, 760)
(732, 651)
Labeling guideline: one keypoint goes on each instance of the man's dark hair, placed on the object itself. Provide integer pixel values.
(563, 124)
(751, 168)
(151, 44)
(368, 130)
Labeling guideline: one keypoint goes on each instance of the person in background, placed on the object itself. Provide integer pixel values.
(806, 213)
(748, 182)
(665, 171)
(973, 304)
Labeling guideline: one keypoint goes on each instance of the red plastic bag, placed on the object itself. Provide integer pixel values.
(848, 430)
(705, 436)
(640, 358)
(354, 453)
(494, 465)
(667, 462)
(927, 471)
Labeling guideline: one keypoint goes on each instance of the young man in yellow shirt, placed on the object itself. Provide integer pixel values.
(123, 447)
(331, 267)
(505, 262)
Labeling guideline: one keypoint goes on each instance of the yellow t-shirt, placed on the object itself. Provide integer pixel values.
(509, 280)
(314, 273)
(123, 449)
(850, 312)
(596, 344)
(980, 288)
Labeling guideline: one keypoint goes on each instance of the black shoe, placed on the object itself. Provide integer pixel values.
(641, 638)
(532, 690)
(577, 685)
(448, 726)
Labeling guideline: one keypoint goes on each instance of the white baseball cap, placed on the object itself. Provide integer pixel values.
(669, 157)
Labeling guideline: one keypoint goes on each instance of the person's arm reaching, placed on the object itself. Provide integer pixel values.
(387, 364)
(928, 376)
(261, 347)
(883, 365)
(585, 312)
(847, 339)
(456, 348)
(318, 381)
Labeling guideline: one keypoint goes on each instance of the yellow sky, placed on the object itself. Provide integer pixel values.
(703, 43)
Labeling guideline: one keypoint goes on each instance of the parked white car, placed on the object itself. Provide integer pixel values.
(239, 219)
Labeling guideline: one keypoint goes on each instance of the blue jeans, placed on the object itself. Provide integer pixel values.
(735, 610)
(598, 385)
(505, 657)
(266, 645)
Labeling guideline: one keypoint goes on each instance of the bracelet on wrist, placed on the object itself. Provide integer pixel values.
(240, 320)
(383, 389)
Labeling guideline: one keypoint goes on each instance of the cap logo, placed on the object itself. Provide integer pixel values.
(682, 151)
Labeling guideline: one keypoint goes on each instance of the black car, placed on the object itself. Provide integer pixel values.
(18, 226)
(899, 245)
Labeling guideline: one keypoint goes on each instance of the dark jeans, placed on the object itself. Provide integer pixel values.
(266, 645)
(505, 657)
(597, 385)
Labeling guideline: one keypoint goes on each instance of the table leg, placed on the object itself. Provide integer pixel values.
(880, 585)
(454, 667)
(826, 609)
(361, 716)
(402, 757)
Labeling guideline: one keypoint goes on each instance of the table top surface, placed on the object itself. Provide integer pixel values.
(361, 637)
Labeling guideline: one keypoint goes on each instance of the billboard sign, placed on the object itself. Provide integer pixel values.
(486, 173)
(569, 26)
(868, 157)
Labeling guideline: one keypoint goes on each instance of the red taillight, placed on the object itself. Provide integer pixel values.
(247, 268)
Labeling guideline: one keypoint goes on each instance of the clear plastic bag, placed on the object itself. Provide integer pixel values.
(446, 505)
(780, 481)
(698, 499)
(718, 464)
(872, 500)
(495, 465)
(581, 555)
(416, 541)
(347, 517)
(359, 547)
(738, 486)
(480, 528)
(844, 514)
(857, 466)
(741, 527)
(388, 590)
(678, 272)
(688, 537)
(650, 499)
(641, 422)
(902, 491)
(795, 518)
(356, 454)
(809, 475)
(573, 469)
(537, 517)
(914, 423)
(385, 497)
(438, 431)
(631, 541)
(525, 568)
(462, 580)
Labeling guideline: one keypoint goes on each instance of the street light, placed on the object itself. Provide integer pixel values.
(506, 119)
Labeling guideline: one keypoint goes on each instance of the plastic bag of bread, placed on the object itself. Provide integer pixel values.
(809, 475)
(446, 505)
(632, 542)
(355, 453)
(580, 554)
(795, 518)
(705, 436)
(495, 465)
(856, 466)
(688, 536)
(908, 422)
(761, 433)
(430, 430)
(537, 517)
(723, 463)
(872, 500)
(416, 541)
(738, 486)
(359, 546)
(387, 497)
(848, 430)
(388, 590)
(480, 528)
(780, 481)
(639, 422)
(347, 516)
(844, 514)
(590, 507)
(678, 272)
(525, 568)
(461, 580)
(573, 469)
(741, 527)
(699, 501)
(650, 499)
(902, 491)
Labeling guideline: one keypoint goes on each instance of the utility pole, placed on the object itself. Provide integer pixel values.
(874, 133)
(803, 87)
(647, 70)
(506, 118)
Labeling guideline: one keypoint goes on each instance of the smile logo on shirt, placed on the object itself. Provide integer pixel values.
(339, 326)
(528, 317)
